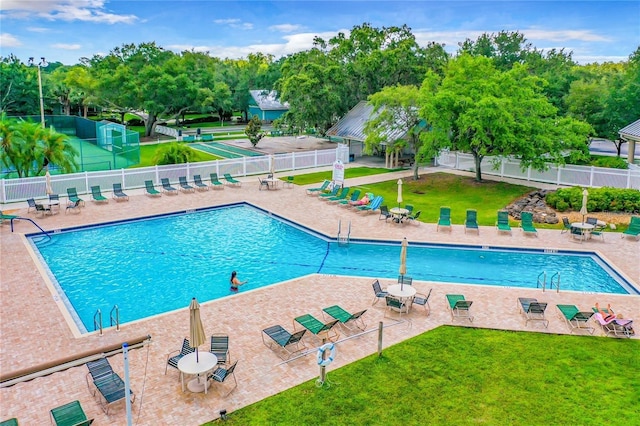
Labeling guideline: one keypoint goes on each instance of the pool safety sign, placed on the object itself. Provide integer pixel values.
(338, 173)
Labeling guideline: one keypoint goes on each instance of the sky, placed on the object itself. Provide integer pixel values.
(67, 30)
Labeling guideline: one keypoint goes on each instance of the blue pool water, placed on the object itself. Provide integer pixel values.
(157, 265)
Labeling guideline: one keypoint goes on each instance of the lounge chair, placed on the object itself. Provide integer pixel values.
(215, 182)
(444, 220)
(459, 307)
(384, 213)
(533, 310)
(396, 305)
(151, 190)
(289, 343)
(74, 206)
(618, 327)
(331, 193)
(423, 300)
(107, 382)
(342, 195)
(634, 228)
(346, 318)
(8, 217)
(97, 196)
(118, 194)
(575, 319)
(184, 185)
(378, 291)
(175, 356)
(70, 414)
(375, 204)
(354, 197)
(166, 186)
(315, 191)
(231, 181)
(220, 347)
(471, 222)
(200, 186)
(9, 422)
(318, 328)
(566, 225)
(220, 374)
(73, 195)
(502, 224)
(526, 223)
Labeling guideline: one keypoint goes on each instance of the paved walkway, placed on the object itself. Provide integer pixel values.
(33, 330)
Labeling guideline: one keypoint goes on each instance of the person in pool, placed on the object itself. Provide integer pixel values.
(235, 282)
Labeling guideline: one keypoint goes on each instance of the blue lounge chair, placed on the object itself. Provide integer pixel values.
(118, 194)
(107, 382)
(70, 414)
(318, 328)
(200, 186)
(471, 222)
(444, 220)
(288, 342)
(373, 206)
(215, 182)
(166, 186)
(151, 190)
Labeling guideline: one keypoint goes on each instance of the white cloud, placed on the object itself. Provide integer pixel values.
(9, 40)
(65, 46)
(37, 29)
(226, 21)
(65, 10)
(285, 28)
(234, 23)
(564, 35)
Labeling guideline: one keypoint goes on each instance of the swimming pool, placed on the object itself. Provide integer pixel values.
(155, 265)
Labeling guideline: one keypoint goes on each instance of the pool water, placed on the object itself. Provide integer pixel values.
(156, 265)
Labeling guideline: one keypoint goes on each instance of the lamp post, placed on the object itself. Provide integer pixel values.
(42, 63)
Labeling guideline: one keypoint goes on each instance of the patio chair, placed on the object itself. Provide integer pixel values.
(54, 201)
(423, 300)
(166, 186)
(175, 356)
(231, 181)
(378, 291)
(566, 225)
(118, 194)
(526, 223)
(459, 307)
(384, 213)
(215, 182)
(318, 328)
(634, 228)
(405, 279)
(97, 196)
(414, 217)
(575, 319)
(32, 204)
(444, 220)
(151, 189)
(70, 414)
(43, 210)
(471, 222)
(73, 195)
(184, 185)
(317, 190)
(395, 305)
(289, 181)
(200, 186)
(220, 347)
(409, 208)
(533, 310)
(289, 343)
(263, 184)
(107, 382)
(220, 374)
(74, 206)
(354, 197)
(502, 224)
(578, 233)
(346, 318)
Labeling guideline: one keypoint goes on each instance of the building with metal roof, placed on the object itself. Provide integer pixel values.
(266, 105)
(631, 134)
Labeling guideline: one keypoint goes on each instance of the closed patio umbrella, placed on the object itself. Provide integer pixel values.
(272, 170)
(583, 209)
(403, 261)
(196, 330)
(399, 192)
(48, 188)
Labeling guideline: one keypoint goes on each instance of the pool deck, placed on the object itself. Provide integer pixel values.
(33, 330)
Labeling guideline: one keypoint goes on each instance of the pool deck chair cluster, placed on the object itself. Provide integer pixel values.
(279, 338)
(70, 414)
(575, 319)
(347, 320)
(459, 307)
(107, 382)
(318, 328)
(533, 310)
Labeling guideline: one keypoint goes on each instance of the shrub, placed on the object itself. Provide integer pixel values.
(604, 199)
(174, 153)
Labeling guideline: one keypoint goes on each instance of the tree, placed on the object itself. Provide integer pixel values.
(18, 87)
(253, 130)
(479, 109)
(395, 120)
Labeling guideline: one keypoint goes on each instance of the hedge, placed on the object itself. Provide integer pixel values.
(604, 199)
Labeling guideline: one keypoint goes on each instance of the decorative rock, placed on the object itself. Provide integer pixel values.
(533, 202)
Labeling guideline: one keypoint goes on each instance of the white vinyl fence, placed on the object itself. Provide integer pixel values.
(570, 175)
(12, 190)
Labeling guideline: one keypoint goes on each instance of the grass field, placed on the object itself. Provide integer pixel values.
(148, 151)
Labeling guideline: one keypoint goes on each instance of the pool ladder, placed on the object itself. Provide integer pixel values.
(343, 239)
(554, 282)
(114, 318)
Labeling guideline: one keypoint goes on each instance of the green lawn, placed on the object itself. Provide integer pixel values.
(349, 173)
(469, 376)
(148, 151)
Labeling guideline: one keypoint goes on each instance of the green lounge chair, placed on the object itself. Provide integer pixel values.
(315, 191)
(151, 190)
(445, 218)
(471, 222)
(318, 328)
(73, 196)
(288, 342)
(459, 307)
(634, 228)
(70, 414)
(215, 182)
(533, 310)
(10, 422)
(575, 319)
(341, 196)
(97, 196)
(8, 217)
(331, 193)
(526, 223)
(231, 181)
(354, 197)
(166, 186)
(184, 185)
(502, 225)
(200, 186)
(345, 318)
(118, 194)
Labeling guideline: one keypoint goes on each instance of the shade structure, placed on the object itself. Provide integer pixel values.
(48, 188)
(196, 330)
(399, 192)
(403, 261)
(583, 208)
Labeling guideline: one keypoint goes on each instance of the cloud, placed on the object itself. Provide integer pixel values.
(65, 46)
(9, 40)
(285, 28)
(564, 35)
(64, 10)
(37, 29)
(234, 23)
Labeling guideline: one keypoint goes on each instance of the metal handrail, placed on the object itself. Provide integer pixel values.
(97, 321)
(117, 317)
(544, 280)
(557, 283)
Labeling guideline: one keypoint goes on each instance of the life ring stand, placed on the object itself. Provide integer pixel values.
(322, 361)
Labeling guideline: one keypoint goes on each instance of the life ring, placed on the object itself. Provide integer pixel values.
(322, 361)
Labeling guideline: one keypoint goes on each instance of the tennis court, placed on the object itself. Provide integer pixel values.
(93, 158)
(224, 150)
